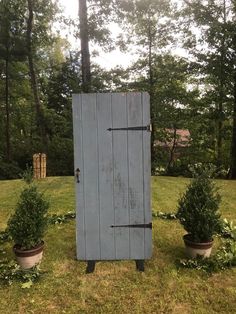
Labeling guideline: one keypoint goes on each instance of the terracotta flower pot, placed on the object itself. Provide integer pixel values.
(29, 258)
(193, 249)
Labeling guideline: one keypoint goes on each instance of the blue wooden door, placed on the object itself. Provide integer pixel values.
(112, 151)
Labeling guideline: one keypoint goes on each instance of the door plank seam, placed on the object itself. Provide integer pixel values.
(127, 137)
(112, 141)
(98, 179)
(83, 177)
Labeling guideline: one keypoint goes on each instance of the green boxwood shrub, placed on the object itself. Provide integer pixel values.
(198, 208)
(29, 222)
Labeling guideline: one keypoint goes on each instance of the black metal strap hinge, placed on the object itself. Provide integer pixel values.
(133, 128)
(149, 226)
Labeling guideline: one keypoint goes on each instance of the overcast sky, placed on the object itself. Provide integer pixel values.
(71, 7)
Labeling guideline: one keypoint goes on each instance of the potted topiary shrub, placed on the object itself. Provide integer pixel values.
(198, 213)
(28, 224)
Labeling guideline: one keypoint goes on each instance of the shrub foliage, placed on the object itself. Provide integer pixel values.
(198, 209)
(28, 223)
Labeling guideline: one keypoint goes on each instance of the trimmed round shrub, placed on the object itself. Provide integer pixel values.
(28, 224)
(198, 209)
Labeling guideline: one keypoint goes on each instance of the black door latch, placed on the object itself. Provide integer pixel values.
(77, 175)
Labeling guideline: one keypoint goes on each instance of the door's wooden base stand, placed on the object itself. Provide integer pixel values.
(91, 266)
(140, 264)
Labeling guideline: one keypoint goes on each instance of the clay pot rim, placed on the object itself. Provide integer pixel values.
(196, 245)
(30, 252)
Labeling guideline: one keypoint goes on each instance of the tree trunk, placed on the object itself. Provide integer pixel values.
(232, 172)
(221, 92)
(8, 143)
(151, 92)
(220, 129)
(84, 40)
(33, 77)
(172, 151)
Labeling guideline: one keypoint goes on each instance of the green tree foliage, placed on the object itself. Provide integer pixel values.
(148, 27)
(213, 50)
(39, 72)
(61, 83)
(171, 102)
(11, 52)
(56, 77)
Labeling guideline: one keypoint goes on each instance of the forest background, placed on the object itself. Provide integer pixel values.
(40, 69)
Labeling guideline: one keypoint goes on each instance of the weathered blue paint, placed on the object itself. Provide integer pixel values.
(114, 187)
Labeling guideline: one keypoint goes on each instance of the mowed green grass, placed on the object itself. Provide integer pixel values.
(116, 287)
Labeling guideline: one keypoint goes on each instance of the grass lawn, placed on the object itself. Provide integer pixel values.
(116, 287)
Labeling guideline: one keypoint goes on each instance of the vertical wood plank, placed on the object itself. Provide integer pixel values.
(35, 165)
(43, 166)
(147, 175)
(79, 187)
(135, 157)
(121, 176)
(90, 176)
(104, 119)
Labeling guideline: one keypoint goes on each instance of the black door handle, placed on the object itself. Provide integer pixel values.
(77, 175)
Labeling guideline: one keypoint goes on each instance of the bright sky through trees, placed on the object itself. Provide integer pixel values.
(107, 60)
(71, 7)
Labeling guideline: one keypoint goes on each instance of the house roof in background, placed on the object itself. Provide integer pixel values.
(182, 138)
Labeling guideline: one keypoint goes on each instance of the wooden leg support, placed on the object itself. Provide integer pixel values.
(140, 264)
(90, 267)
